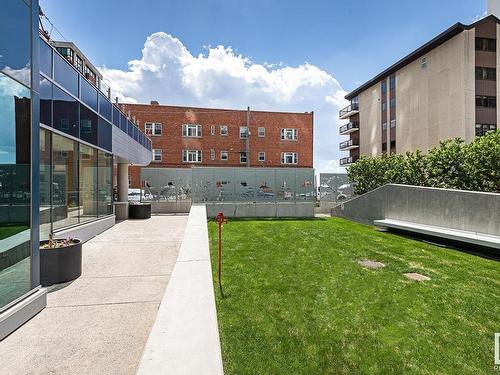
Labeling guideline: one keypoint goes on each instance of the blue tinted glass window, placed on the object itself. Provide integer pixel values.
(88, 125)
(45, 101)
(105, 134)
(123, 123)
(65, 112)
(15, 182)
(88, 93)
(15, 36)
(45, 61)
(116, 116)
(104, 107)
(65, 75)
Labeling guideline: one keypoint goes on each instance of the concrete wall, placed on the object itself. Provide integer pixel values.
(164, 207)
(280, 209)
(453, 209)
(437, 102)
(370, 125)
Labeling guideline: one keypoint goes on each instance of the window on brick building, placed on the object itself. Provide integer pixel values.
(393, 123)
(384, 126)
(289, 134)
(224, 155)
(157, 154)
(191, 130)
(262, 156)
(262, 131)
(243, 132)
(212, 154)
(152, 128)
(212, 129)
(191, 156)
(157, 128)
(289, 158)
(223, 130)
(243, 157)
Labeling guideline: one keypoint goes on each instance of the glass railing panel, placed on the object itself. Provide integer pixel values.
(65, 75)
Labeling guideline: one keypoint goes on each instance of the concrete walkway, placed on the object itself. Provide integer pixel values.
(99, 324)
(185, 337)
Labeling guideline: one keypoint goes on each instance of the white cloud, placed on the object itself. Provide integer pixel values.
(479, 16)
(169, 73)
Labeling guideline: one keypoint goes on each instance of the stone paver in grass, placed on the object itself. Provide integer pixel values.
(371, 264)
(416, 276)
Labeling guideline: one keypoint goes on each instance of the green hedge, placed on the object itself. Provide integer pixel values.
(453, 165)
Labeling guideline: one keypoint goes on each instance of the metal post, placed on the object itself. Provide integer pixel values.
(248, 137)
(220, 220)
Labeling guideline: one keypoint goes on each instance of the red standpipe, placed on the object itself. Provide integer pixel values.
(220, 220)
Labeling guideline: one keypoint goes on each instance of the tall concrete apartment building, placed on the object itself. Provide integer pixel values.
(447, 88)
(185, 137)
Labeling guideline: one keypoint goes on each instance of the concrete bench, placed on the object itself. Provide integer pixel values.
(474, 238)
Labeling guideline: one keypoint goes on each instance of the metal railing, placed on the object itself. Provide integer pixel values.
(348, 126)
(348, 160)
(349, 143)
(350, 108)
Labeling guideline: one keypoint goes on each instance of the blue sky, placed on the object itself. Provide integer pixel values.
(216, 53)
(342, 37)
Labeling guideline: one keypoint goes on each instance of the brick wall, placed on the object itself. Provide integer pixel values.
(171, 142)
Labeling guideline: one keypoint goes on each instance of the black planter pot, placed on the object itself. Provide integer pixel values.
(61, 264)
(139, 211)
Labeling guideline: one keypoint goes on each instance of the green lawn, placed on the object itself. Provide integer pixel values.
(297, 302)
(7, 230)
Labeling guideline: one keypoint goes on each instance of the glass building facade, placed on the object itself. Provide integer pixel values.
(16, 234)
(57, 132)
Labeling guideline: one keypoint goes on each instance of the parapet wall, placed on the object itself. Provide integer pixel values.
(454, 209)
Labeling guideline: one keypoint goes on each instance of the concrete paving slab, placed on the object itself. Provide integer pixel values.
(371, 264)
(416, 276)
(95, 291)
(99, 323)
(100, 339)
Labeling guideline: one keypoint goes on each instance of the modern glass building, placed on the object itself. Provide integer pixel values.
(60, 140)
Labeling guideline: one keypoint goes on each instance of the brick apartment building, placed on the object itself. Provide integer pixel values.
(184, 137)
(447, 88)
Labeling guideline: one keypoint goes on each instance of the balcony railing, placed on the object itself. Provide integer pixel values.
(348, 160)
(57, 68)
(349, 144)
(349, 128)
(350, 110)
